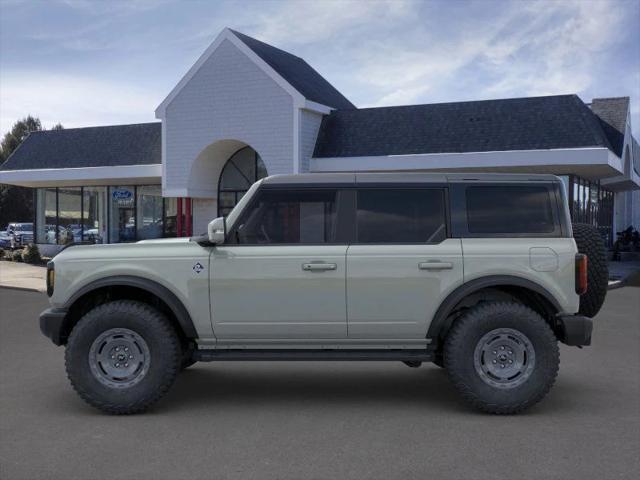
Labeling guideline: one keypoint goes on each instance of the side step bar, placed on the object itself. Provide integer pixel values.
(311, 355)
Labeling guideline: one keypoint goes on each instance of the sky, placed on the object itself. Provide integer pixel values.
(85, 63)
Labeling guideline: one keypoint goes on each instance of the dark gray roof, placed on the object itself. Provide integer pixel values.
(612, 113)
(114, 145)
(533, 123)
(298, 73)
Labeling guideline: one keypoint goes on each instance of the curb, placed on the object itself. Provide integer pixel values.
(24, 289)
(615, 284)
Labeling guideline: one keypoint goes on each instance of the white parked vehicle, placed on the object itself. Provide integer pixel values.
(19, 234)
(480, 274)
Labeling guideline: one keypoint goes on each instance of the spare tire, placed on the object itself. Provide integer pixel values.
(590, 243)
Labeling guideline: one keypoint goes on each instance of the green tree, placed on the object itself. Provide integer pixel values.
(16, 203)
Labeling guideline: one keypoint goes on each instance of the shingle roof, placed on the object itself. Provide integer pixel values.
(114, 145)
(612, 113)
(298, 73)
(533, 123)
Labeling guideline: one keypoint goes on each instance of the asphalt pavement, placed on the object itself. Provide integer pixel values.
(316, 420)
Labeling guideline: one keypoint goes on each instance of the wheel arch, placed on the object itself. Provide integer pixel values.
(520, 289)
(132, 287)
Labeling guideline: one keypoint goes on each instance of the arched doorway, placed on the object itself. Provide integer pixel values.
(244, 168)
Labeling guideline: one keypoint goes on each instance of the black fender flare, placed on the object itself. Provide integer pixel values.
(439, 322)
(163, 293)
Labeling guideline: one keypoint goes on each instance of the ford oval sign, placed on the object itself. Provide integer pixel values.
(121, 194)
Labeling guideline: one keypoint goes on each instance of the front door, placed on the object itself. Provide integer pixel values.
(401, 265)
(281, 274)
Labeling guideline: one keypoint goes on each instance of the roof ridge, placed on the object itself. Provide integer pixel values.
(97, 126)
(467, 101)
(235, 32)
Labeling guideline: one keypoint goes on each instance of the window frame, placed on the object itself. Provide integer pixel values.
(460, 227)
(231, 238)
(445, 203)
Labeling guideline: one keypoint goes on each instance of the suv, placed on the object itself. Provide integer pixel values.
(479, 274)
(19, 234)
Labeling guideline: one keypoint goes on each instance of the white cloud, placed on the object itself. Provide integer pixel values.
(308, 21)
(73, 101)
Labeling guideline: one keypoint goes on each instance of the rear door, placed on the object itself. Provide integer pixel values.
(282, 274)
(402, 263)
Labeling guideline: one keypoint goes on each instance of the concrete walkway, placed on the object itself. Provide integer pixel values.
(22, 276)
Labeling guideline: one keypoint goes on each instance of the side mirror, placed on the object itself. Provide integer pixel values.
(217, 230)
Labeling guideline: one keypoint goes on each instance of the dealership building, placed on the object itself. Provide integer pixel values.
(246, 110)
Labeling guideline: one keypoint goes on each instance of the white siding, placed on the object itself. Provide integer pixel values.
(309, 126)
(204, 210)
(228, 98)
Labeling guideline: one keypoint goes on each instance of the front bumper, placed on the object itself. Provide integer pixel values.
(575, 330)
(52, 323)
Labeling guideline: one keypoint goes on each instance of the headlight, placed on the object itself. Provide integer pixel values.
(51, 278)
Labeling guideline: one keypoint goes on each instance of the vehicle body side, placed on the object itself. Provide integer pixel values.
(384, 279)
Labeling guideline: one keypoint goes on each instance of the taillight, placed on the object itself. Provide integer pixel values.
(581, 273)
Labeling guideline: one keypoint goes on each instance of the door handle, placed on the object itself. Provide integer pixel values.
(435, 265)
(319, 267)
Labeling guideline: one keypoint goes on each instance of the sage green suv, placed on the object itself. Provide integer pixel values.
(480, 274)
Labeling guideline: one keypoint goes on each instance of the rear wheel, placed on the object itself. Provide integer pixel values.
(122, 357)
(589, 242)
(502, 357)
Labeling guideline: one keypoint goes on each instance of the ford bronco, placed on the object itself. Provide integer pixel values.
(480, 274)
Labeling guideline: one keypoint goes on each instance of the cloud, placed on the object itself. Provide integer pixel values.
(72, 100)
(532, 48)
(313, 21)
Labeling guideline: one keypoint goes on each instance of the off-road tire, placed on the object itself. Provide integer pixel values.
(469, 330)
(165, 356)
(590, 243)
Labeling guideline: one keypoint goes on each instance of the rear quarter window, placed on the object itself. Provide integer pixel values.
(509, 209)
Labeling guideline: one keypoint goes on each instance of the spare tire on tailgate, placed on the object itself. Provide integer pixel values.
(590, 243)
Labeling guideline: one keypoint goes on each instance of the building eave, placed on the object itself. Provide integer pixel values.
(85, 176)
(597, 162)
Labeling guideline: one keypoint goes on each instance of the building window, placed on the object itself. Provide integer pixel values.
(149, 212)
(122, 214)
(94, 214)
(103, 214)
(243, 169)
(69, 215)
(46, 215)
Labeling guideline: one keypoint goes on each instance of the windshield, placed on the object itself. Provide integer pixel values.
(23, 227)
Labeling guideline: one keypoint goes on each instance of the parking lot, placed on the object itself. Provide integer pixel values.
(321, 420)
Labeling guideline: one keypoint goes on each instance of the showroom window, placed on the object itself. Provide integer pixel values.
(103, 214)
(149, 212)
(94, 208)
(46, 216)
(69, 215)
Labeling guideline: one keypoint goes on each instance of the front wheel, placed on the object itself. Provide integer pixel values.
(502, 357)
(123, 356)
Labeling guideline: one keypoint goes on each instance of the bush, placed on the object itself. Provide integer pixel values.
(16, 256)
(31, 254)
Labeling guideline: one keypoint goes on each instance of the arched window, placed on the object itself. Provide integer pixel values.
(244, 168)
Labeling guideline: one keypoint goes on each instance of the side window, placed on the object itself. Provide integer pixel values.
(288, 217)
(509, 209)
(401, 215)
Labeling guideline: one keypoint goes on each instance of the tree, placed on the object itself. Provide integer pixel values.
(16, 203)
